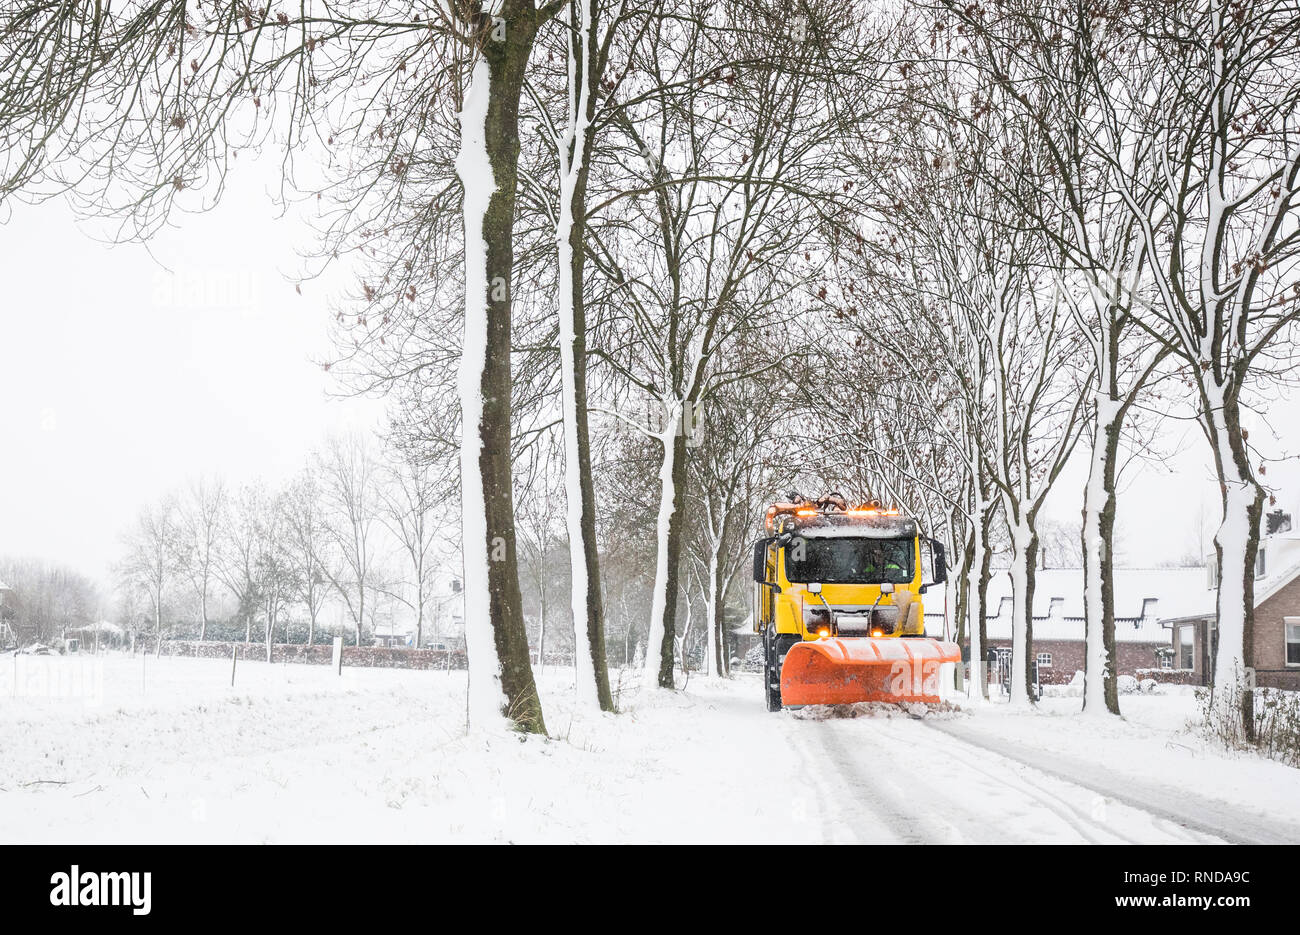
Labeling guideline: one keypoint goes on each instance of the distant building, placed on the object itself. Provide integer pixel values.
(1142, 597)
(1193, 631)
(104, 634)
(394, 634)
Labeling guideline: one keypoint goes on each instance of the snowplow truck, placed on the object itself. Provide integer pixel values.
(838, 596)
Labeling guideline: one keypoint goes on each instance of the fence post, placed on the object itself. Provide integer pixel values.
(234, 654)
(337, 658)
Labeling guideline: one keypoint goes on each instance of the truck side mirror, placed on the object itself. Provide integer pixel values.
(760, 565)
(940, 561)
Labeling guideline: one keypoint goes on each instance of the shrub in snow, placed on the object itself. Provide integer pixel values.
(1072, 689)
(754, 659)
(1277, 725)
(1127, 685)
(1148, 686)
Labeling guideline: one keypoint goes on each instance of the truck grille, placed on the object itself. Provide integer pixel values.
(862, 620)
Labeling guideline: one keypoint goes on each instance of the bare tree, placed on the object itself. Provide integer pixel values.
(539, 541)
(732, 478)
(308, 544)
(133, 109)
(408, 507)
(1219, 100)
(47, 599)
(150, 557)
(724, 183)
(347, 468)
(273, 573)
(236, 558)
(197, 535)
(590, 28)
(1052, 81)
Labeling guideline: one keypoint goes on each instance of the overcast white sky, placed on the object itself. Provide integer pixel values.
(120, 380)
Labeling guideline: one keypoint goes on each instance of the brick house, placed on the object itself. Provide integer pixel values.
(1193, 635)
(1142, 598)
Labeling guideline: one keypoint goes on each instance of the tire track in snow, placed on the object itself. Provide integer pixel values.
(877, 800)
(812, 768)
(1216, 820)
(951, 819)
(1019, 781)
(875, 780)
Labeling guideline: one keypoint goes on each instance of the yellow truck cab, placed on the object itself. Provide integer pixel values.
(826, 571)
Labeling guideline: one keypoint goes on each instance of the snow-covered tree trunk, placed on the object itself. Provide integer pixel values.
(419, 604)
(157, 625)
(976, 611)
(961, 609)
(541, 624)
(713, 600)
(487, 698)
(955, 556)
(270, 632)
(1236, 546)
(361, 612)
(680, 641)
(1023, 555)
(500, 675)
(1100, 691)
(658, 668)
(977, 575)
(573, 147)
(951, 600)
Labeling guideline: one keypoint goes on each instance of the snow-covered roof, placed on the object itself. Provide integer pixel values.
(5, 587)
(1281, 566)
(104, 626)
(1143, 597)
(1281, 562)
(394, 628)
(874, 526)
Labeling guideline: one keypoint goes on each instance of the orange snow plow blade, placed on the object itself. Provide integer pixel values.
(850, 669)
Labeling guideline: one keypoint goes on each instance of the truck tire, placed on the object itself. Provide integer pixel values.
(774, 695)
(771, 675)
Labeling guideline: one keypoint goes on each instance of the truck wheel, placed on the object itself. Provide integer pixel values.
(774, 695)
(771, 677)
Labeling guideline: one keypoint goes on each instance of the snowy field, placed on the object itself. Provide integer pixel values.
(117, 749)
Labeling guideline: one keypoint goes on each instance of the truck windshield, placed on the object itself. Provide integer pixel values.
(844, 560)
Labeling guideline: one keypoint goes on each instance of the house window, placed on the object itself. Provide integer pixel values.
(1261, 565)
(1212, 572)
(1293, 641)
(1044, 660)
(1185, 643)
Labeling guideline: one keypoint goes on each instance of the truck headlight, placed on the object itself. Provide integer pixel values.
(817, 619)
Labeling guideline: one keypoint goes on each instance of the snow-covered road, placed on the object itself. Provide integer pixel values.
(1177, 808)
(897, 781)
(165, 750)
